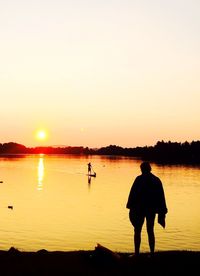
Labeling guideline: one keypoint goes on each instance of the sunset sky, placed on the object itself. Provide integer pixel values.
(99, 72)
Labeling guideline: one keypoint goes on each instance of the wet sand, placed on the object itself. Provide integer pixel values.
(14, 262)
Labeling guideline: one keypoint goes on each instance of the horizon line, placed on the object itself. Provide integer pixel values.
(65, 146)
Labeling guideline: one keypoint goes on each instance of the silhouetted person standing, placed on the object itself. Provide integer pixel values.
(146, 199)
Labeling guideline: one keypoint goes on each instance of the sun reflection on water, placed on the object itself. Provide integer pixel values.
(40, 173)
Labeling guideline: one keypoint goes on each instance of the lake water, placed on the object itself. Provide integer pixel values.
(54, 206)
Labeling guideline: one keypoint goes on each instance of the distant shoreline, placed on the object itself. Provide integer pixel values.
(162, 152)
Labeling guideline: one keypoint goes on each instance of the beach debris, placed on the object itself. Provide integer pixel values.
(14, 251)
(106, 254)
(1, 181)
(10, 207)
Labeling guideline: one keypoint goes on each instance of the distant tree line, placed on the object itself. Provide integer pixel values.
(163, 152)
(15, 148)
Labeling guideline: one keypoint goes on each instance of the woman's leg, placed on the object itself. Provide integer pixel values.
(137, 239)
(150, 218)
(137, 221)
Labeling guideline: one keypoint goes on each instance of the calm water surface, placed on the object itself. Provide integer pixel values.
(54, 206)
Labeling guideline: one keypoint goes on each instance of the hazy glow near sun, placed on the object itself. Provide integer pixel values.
(41, 135)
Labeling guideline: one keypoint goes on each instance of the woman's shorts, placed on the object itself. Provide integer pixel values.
(137, 218)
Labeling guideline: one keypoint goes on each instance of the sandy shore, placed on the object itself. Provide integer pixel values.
(97, 262)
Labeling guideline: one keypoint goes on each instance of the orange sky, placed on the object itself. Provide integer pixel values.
(95, 73)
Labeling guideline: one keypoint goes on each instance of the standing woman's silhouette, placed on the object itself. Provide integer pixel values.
(146, 199)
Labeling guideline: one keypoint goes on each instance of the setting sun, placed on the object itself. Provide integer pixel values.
(41, 135)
